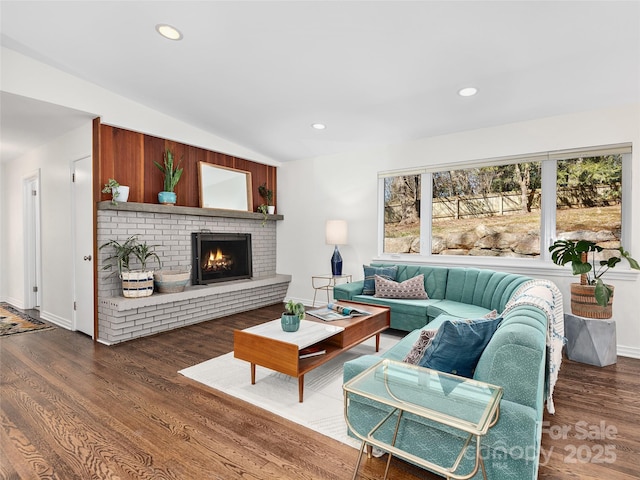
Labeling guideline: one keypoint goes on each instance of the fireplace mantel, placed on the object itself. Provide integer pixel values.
(174, 209)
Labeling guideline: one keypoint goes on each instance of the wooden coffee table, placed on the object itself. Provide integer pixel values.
(268, 346)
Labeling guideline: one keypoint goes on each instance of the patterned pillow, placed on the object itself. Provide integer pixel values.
(370, 274)
(424, 339)
(412, 288)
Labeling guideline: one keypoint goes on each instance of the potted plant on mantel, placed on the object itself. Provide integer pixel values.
(172, 175)
(293, 313)
(591, 298)
(119, 193)
(135, 283)
(267, 196)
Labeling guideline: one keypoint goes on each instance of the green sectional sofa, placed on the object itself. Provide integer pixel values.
(462, 292)
(515, 359)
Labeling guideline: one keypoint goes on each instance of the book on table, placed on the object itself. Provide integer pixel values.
(334, 311)
(311, 351)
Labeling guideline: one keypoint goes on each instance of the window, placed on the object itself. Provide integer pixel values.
(589, 199)
(402, 196)
(489, 211)
(503, 208)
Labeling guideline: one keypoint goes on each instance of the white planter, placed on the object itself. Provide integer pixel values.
(271, 209)
(123, 194)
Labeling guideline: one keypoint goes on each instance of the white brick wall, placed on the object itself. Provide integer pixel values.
(171, 233)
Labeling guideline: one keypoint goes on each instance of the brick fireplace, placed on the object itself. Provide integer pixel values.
(170, 228)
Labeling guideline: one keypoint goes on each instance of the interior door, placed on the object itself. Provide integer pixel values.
(83, 246)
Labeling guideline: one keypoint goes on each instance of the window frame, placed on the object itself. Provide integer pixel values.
(541, 264)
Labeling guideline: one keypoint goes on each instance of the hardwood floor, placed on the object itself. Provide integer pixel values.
(72, 409)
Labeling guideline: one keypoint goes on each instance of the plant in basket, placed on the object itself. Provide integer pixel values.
(138, 282)
(591, 298)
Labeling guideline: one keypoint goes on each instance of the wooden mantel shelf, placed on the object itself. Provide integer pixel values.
(206, 212)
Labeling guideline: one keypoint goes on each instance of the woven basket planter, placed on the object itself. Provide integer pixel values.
(583, 302)
(168, 281)
(137, 283)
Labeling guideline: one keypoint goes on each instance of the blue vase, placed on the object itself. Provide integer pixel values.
(290, 323)
(167, 198)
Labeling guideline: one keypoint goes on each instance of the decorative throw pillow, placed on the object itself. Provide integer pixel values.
(421, 344)
(457, 346)
(370, 277)
(412, 288)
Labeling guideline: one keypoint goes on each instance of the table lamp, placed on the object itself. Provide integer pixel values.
(336, 234)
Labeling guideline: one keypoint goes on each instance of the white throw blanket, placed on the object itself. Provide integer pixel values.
(546, 296)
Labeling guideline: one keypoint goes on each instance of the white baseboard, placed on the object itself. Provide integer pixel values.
(14, 302)
(55, 319)
(632, 352)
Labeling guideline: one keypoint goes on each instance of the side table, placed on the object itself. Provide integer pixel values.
(590, 340)
(326, 282)
(467, 405)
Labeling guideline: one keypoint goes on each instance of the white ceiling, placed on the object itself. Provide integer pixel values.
(375, 72)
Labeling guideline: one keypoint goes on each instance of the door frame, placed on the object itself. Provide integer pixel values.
(32, 237)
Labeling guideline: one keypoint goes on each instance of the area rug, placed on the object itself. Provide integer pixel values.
(323, 407)
(13, 321)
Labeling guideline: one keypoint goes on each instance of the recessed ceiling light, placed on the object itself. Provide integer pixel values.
(468, 92)
(167, 31)
(319, 126)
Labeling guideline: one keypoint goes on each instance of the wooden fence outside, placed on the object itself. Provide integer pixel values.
(497, 204)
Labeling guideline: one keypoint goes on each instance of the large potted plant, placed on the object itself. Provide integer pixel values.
(172, 174)
(591, 298)
(135, 282)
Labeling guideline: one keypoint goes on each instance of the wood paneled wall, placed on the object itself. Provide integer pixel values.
(128, 157)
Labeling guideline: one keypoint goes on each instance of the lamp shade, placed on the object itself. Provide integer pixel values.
(336, 232)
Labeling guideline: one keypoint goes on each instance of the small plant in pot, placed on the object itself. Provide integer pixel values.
(172, 174)
(293, 313)
(591, 298)
(119, 193)
(135, 283)
(267, 196)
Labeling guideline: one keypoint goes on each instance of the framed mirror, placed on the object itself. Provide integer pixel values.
(224, 187)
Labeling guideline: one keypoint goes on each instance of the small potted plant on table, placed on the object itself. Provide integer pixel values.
(293, 313)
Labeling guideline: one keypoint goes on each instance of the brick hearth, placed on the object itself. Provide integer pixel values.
(121, 319)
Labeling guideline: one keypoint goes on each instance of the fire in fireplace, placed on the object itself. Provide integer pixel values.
(220, 257)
